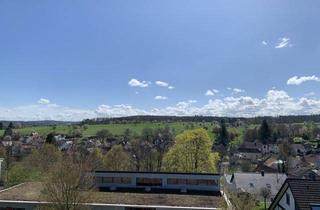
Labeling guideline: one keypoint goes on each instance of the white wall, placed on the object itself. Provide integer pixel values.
(283, 201)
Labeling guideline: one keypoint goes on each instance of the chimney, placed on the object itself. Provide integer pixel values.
(262, 173)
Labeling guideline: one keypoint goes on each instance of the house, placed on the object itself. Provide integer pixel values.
(131, 191)
(298, 194)
(299, 149)
(313, 159)
(263, 148)
(306, 173)
(251, 154)
(252, 183)
(262, 167)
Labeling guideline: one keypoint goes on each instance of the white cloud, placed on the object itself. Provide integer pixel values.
(160, 98)
(117, 111)
(275, 102)
(236, 90)
(310, 94)
(162, 84)
(283, 42)
(264, 43)
(136, 83)
(211, 92)
(43, 101)
(299, 80)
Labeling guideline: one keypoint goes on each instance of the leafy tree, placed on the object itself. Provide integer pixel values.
(264, 132)
(104, 134)
(9, 130)
(96, 159)
(147, 135)
(50, 139)
(11, 125)
(250, 135)
(1, 126)
(127, 134)
(76, 133)
(21, 172)
(117, 159)
(223, 137)
(45, 157)
(191, 153)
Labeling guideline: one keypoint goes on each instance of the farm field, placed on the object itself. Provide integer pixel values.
(118, 129)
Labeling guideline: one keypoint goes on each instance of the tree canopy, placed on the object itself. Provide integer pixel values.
(191, 153)
(223, 136)
(264, 132)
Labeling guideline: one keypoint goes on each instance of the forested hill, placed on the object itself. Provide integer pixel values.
(36, 123)
(253, 120)
(150, 118)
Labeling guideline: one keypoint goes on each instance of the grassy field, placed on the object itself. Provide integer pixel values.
(115, 129)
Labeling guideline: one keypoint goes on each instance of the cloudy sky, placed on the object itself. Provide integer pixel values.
(70, 60)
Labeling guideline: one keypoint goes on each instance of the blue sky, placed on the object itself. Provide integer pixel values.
(69, 60)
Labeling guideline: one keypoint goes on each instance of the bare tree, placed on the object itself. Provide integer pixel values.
(241, 201)
(68, 186)
(265, 193)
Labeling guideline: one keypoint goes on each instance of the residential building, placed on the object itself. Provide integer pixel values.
(298, 194)
(252, 183)
(252, 154)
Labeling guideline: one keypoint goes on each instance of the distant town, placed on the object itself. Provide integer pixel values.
(205, 162)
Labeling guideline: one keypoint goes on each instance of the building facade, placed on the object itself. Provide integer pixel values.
(157, 181)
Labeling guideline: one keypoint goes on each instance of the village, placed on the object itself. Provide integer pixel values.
(253, 170)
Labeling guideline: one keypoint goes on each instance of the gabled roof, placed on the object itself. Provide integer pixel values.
(249, 150)
(263, 167)
(306, 192)
(253, 182)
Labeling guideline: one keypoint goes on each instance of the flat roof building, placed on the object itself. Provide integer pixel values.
(158, 182)
(131, 191)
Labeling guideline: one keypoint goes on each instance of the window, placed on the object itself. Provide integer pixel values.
(202, 182)
(315, 207)
(288, 199)
(182, 181)
(192, 182)
(107, 180)
(212, 182)
(126, 180)
(172, 181)
(116, 180)
(149, 182)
